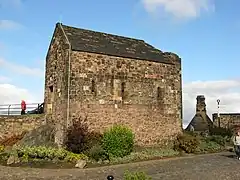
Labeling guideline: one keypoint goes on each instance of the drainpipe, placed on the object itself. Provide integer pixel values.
(69, 73)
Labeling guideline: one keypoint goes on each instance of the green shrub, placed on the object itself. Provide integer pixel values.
(41, 152)
(97, 153)
(93, 139)
(192, 133)
(187, 143)
(72, 157)
(221, 131)
(209, 147)
(2, 148)
(145, 154)
(218, 139)
(118, 141)
(136, 176)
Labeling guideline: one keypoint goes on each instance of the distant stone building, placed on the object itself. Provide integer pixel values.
(200, 122)
(226, 120)
(110, 80)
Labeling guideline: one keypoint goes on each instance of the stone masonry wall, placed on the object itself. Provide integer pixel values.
(12, 125)
(145, 95)
(56, 77)
(227, 120)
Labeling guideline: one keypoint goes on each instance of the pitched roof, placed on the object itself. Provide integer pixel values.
(199, 124)
(109, 44)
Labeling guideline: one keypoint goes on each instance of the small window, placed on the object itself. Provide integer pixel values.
(51, 94)
(93, 89)
(159, 94)
(51, 88)
(123, 89)
(112, 84)
(119, 64)
(56, 55)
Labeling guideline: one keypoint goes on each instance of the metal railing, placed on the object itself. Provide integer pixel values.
(15, 109)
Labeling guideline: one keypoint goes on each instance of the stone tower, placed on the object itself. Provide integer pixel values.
(201, 105)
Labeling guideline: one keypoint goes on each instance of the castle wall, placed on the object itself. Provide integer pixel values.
(15, 125)
(56, 83)
(141, 94)
(227, 120)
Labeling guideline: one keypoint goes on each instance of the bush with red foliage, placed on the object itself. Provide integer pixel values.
(79, 138)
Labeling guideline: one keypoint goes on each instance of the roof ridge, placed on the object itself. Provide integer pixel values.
(121, 36)
(110, 44)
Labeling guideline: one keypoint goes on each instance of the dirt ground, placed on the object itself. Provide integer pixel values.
(221, 166)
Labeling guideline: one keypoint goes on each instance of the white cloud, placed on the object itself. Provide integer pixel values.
(228, 91)
(4, 79)
(23, 70)
(12, 95)
(10, 3)
(9, 25)
(179, 9)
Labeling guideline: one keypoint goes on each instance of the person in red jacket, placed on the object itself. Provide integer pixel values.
(23, 107)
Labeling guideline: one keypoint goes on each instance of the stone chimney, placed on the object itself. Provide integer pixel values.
(201, 105)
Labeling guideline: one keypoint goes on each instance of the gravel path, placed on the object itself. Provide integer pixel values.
(222, 166)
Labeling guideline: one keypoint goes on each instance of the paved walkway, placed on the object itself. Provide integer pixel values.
(222, 166)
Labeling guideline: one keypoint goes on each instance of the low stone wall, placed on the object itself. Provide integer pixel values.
(11, 125)
(226, 120)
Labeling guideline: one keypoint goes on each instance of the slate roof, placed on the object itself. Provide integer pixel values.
(199, 124)
(109, 44)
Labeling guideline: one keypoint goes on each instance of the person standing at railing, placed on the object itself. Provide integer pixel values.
(23, 107)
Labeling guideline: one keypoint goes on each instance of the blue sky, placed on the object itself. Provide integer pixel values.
(204, 33)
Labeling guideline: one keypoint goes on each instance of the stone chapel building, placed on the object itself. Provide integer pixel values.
(112, 79)
(201, 121)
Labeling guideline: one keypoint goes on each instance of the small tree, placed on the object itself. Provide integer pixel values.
(77, 136)
(118, 141)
